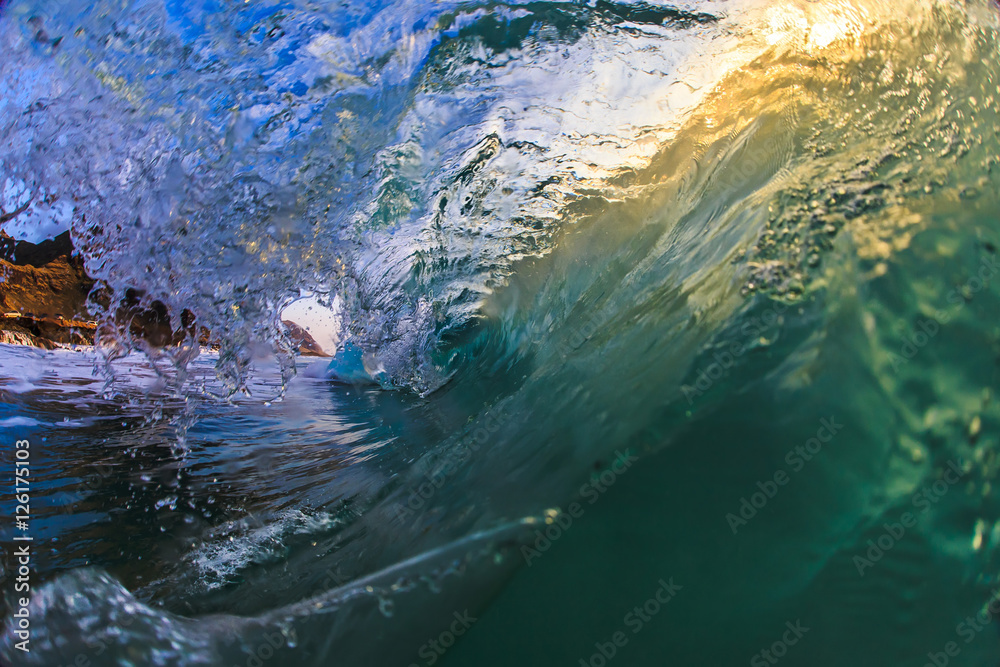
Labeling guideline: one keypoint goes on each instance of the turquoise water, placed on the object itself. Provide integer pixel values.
(670, 333)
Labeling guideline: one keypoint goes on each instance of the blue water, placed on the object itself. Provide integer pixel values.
(667, 333)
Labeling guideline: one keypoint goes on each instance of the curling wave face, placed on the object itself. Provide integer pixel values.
(223, 160)
(579, 234)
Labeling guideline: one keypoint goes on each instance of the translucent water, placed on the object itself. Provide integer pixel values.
(685, 308)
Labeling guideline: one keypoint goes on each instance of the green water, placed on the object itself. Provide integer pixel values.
(711, 386)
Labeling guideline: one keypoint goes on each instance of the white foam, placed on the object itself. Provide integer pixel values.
(11, 422)
(235, 546)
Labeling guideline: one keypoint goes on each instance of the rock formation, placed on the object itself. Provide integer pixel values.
(43, 302)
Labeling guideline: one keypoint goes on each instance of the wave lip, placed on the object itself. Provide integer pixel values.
(88, 613)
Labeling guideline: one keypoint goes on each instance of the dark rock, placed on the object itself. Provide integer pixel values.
(43, 302)
(43, 294)
(303, 342)
(23, 253)
(56, 289)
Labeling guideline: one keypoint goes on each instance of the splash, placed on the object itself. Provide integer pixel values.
(576, 232)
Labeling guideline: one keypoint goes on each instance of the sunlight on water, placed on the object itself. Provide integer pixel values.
(626, 298)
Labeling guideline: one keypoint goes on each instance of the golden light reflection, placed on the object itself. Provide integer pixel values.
(815, 27)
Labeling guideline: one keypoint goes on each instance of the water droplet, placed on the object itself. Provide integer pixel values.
(386, 606)
(975, 427)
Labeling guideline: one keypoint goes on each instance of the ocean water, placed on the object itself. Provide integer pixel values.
(669, 333)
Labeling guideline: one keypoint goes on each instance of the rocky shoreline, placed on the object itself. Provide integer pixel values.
(44, 290)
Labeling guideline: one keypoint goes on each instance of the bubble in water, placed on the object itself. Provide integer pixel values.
(386, 606)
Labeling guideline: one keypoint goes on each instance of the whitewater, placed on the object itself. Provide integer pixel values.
(666, 333)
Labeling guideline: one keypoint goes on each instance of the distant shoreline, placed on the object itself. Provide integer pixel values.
(44, 290)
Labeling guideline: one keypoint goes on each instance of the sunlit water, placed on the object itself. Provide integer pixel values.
(699, 299)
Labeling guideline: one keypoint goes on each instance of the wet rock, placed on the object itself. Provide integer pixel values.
(43, 294)
(302, 342)
(43, 302)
